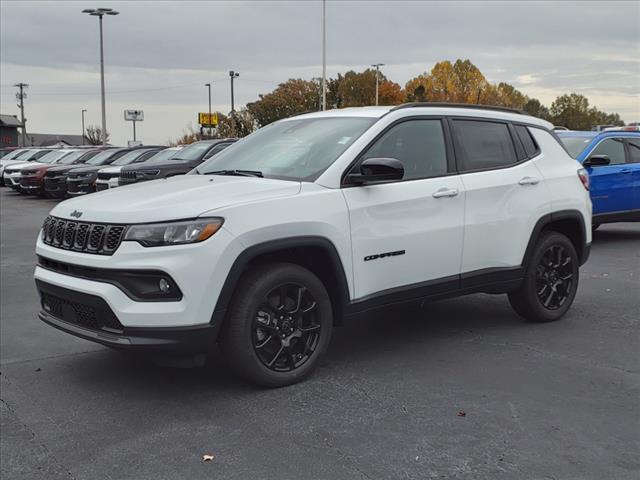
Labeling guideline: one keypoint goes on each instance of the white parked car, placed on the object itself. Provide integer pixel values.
(108, 176)
(11, 169)
(20, 156)
(268, 245)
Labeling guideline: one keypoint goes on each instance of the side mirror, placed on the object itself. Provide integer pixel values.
(597, 161)
(373, 170)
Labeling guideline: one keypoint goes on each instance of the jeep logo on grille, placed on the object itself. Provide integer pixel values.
(76, 214)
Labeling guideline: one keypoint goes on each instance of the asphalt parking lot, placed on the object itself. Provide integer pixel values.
(455, 389)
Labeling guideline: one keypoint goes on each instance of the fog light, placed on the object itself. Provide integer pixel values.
(164, 285)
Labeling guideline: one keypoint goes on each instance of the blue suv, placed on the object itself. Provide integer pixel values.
(612, 159)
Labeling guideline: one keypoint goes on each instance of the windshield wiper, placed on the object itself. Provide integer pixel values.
(238, 173)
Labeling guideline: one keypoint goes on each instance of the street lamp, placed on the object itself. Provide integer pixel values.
(100, 12)
(233, 75)
(208, 85)
(377, 67)
(83, 112)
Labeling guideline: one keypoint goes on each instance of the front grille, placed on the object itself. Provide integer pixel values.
(89, 311)
(101, 186)
(106, 175)
(97, 238)
(30, 182)
(128, 174)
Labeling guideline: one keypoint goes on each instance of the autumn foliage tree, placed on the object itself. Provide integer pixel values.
(292, 97)
(573, 111)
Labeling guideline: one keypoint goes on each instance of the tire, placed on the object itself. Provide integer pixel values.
(252, 331)
(541, 278)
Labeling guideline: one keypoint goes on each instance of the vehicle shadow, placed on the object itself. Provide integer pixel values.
(392, 331)
(617, 232)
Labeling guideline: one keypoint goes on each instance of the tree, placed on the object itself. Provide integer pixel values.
(534, 108)
(292, 97)
(571, 111)
(241, 124)
(94, 135)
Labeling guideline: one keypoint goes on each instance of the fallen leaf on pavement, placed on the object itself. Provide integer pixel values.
(462, 413)
(207, 458)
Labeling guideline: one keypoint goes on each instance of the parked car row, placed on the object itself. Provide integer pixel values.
(75, 171)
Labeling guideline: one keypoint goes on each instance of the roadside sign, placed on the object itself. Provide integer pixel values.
(134, 143)
(133, 115)
(207, 120)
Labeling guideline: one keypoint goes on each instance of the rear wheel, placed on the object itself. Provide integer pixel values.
(278, 326)
(551, 280)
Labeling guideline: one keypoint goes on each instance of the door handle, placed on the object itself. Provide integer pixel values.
(529, 181)
(445, 192)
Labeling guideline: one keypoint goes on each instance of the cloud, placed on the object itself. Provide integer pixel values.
(160, 54)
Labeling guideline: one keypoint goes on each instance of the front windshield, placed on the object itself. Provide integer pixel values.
(292, 149)
(130, 157)
(575, 145)
(100, 158)
(163, 155)
(71, 157)
(193, 151)
(53, 156)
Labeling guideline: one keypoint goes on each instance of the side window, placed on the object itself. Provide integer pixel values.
(634, 149)
(529, 144)
(612, 148)
(418, 144)
(483, 144)
(217, 149)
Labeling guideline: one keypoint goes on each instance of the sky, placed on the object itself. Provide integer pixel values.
(159, 55)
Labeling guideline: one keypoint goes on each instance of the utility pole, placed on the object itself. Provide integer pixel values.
(324, 54)
(83, 112)
(100, 12)
(377, 67)
(20, 96)
(208, 85)
(233, 75)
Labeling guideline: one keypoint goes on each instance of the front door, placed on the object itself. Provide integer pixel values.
(407, 232)
(609, 183)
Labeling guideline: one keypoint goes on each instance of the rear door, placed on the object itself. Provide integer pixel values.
(610, 184)
(504, 194)
(407, 235)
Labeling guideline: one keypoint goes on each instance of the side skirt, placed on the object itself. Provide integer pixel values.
(624, 216)
(489, 280)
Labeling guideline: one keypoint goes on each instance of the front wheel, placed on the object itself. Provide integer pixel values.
(551, 280)
(278, 326)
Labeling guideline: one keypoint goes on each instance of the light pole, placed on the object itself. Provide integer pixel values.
(208, 85)
(233, 75)
(324, 54)
(20, 96)
(83, 112)
(377, 67)
(100, 12)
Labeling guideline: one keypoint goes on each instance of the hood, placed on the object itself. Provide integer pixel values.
(60, 169)
(190, 164)
(37, 166)
(88, 169)
(115, 169)
(175, 198)
(16, 167)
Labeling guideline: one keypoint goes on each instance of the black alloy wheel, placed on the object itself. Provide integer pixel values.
(286, 331)
(554, 277)
(278, 324)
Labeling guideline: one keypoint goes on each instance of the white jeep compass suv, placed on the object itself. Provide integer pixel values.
(268, 245)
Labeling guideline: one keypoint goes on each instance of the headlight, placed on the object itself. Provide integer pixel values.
(174, 233)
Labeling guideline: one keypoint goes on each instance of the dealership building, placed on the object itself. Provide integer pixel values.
(11, 137)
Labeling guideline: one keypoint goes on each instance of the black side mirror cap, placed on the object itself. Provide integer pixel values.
(597, 161)
(375, 170)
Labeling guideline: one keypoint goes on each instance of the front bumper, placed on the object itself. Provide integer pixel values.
(56, 185)
(89, 317)
(81, 187)
(106, 184)
(199, 270)
(13, 180)
(31, 184)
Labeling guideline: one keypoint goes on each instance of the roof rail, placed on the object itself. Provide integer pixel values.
(458, 105)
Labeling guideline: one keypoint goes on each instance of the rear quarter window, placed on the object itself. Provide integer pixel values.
(529, 144)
